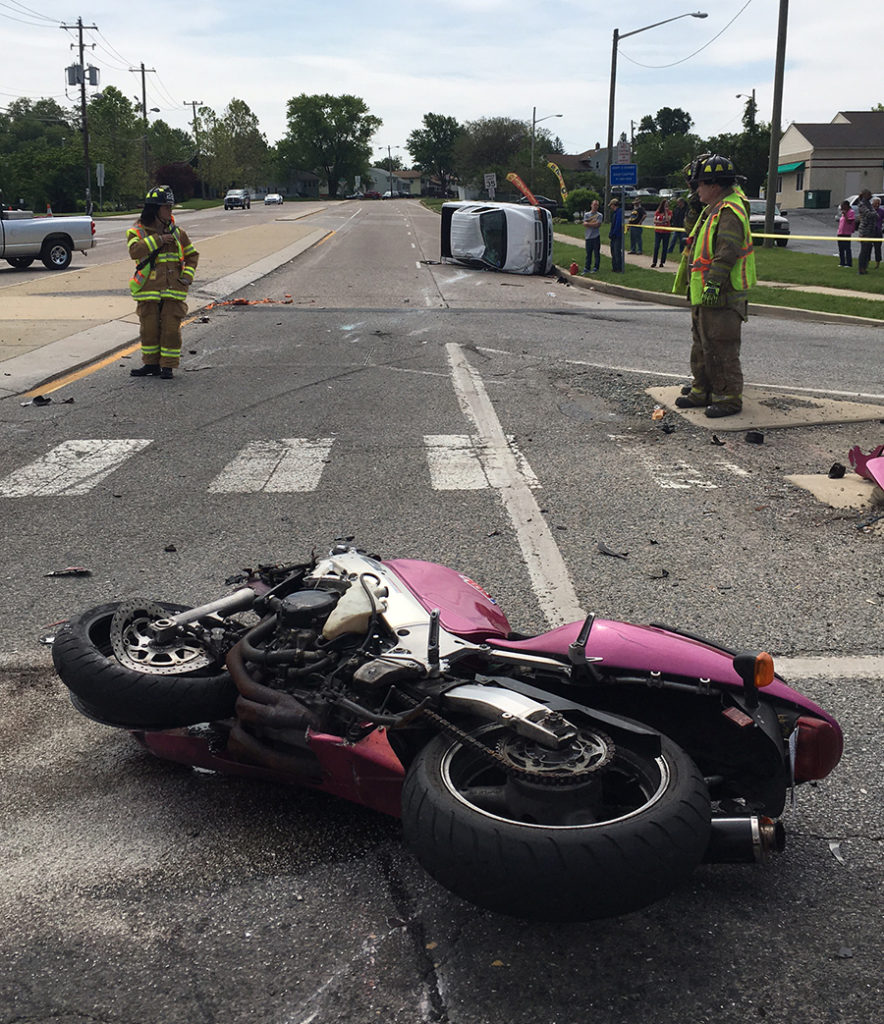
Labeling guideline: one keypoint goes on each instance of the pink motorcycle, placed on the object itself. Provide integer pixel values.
(578, 774)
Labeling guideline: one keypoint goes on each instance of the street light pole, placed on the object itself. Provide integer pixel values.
(754, 108)
(535, 121)
(389, 165)
(617, 37)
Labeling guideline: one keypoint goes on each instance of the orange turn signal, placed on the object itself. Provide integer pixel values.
(764, 669)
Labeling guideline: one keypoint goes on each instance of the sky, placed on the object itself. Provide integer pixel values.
(468, 59)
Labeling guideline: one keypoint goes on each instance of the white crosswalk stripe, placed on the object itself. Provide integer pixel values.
(291, 464)
(460, 462)
(672, 474)
(71, 468)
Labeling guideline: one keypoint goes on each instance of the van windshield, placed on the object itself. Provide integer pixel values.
(492, 224)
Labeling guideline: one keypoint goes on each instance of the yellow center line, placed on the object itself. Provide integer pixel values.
(90, 368)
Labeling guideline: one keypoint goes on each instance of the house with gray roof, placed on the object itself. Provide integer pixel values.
(837, 159)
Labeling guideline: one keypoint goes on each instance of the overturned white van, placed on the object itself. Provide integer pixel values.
(498, 236)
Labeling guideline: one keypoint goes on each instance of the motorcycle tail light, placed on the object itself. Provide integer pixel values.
(818, 749)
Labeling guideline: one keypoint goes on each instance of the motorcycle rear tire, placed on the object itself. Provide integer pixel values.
(557, 873)
(119, 696)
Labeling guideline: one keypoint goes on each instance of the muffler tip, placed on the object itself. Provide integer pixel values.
(746, 840)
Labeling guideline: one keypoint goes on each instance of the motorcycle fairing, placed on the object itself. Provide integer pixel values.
(650, 649)
(465, 609)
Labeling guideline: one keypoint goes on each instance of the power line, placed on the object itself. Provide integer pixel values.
(657, 67)
(15, 4)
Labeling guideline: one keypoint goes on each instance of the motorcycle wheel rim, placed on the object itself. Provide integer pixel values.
(135, 648)
(627, 773)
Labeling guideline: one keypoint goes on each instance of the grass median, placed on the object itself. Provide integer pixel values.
(777, 265)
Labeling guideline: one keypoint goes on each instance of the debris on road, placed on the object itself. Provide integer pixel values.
(860, 461)
(71, 570)
(605, 550)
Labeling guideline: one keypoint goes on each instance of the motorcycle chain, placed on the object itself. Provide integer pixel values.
(494, 756)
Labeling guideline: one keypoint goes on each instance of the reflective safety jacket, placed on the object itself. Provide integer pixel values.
(721, 253)
(164, 270)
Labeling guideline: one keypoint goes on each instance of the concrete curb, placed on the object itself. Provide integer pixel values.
(755, 309)
(37, 369)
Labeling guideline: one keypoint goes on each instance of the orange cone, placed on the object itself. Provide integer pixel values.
(48, 210)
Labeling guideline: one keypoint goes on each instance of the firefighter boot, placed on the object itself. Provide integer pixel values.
(166, 373)
(692, 400)
(146, 370)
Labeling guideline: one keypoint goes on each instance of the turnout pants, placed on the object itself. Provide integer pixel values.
(160, 331)
(715, 353)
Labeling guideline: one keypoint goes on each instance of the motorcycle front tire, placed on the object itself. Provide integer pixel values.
(107, 691)
(557, 873)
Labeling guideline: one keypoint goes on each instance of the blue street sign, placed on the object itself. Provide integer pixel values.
(624, 174)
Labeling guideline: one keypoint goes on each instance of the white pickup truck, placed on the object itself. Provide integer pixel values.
(25, 238)
(498, 236)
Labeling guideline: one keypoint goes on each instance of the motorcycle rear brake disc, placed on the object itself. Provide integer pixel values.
(136, 647)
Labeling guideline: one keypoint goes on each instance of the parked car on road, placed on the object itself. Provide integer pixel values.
(371, 194)
(498, 236)
(238, 199)
(854, 200)
(273, 198)
(543, 201)
(757, 211)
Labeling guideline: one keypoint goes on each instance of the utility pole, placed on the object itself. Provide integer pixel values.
(775, 126)
(196, 135)
(144, 71)
(82, 79)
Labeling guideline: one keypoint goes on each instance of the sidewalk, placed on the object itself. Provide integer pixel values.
(64, 320)
(644, 261)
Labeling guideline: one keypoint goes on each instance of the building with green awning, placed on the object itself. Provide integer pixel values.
(837, 159)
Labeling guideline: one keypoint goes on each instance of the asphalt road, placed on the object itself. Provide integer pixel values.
(136, 891)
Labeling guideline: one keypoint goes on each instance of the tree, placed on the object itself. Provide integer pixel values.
(169, 145)
(673, 121)
(329, 134)
(498, 144)
(392, 163)
(660, 158)
(580, 199)
(180, 177)
(750, 152)
(41, 156)
(236, 148)
(432, 147)
(116, 139)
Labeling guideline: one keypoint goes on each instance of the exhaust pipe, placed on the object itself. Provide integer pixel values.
(748, 840)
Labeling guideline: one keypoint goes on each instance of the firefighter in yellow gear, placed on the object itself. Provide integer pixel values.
(717, 270)
(165, 264)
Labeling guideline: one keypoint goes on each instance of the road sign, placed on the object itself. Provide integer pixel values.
(624, 174)
(624, 152)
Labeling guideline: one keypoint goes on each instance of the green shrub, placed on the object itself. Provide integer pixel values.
(579, 200)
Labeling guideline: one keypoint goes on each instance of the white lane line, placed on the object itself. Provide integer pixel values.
(73, 467)
(275, 467)
(455, 462)
(546, 567)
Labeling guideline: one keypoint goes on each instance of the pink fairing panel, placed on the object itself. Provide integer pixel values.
(465, 608)
(626, 647)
